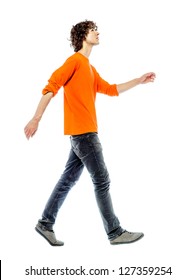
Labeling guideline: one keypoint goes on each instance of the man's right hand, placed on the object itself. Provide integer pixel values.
(31, 128)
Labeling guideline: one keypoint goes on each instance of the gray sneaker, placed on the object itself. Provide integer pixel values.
(48, 235)
(127, 237)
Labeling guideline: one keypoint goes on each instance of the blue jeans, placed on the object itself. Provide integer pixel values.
(86, 150)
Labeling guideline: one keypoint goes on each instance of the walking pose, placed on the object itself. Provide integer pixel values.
(81, 83)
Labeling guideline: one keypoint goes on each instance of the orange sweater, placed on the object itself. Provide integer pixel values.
(81, 82)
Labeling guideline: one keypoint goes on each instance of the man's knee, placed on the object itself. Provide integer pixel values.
(101, 180)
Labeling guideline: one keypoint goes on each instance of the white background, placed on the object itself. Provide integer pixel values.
(147, 135)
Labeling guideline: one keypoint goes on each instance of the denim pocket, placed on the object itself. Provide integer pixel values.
(80, 146)
(94, 142)
(84, 145)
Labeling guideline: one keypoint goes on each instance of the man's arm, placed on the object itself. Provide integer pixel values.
(146, 78)
(32, 126)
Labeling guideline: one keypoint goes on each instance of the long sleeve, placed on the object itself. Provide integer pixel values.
(103, 86)
(61, 76)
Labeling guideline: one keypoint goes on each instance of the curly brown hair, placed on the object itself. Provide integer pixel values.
(79, 32)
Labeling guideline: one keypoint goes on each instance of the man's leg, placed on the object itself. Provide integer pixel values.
(70, 176)
(88, 148)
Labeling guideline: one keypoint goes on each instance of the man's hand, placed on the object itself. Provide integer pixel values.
(31, 128)
(147, 78)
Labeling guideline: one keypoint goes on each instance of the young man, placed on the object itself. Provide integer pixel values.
(81, 82)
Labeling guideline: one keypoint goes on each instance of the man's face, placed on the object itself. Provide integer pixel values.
(92, 37)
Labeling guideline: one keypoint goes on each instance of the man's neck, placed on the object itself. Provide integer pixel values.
(86, 50)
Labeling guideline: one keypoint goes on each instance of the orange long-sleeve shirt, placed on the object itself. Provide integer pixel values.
(81, 82)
